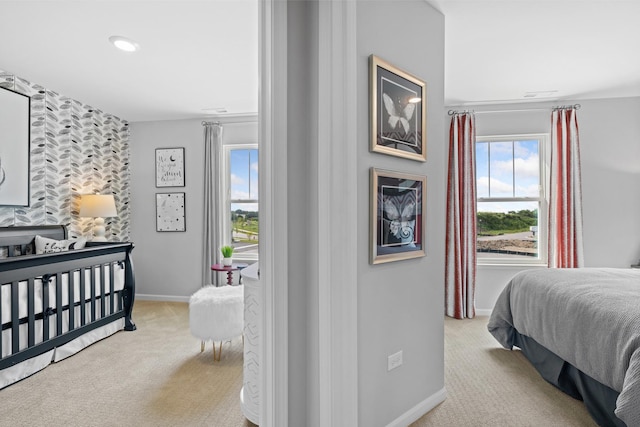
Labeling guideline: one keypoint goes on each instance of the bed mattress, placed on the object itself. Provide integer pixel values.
(588, 317)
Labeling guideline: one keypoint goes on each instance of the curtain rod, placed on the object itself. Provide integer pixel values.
(228, 123)
(558, 107)
(567, 107)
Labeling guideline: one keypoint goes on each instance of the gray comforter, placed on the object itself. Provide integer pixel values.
(589, 317)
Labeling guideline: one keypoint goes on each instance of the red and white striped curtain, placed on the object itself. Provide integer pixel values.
(565, 196)
(460, 258)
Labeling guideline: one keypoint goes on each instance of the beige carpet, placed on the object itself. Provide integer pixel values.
(489, 386)
(155, 376)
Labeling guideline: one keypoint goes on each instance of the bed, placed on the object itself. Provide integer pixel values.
(580, 328)
(53, 305)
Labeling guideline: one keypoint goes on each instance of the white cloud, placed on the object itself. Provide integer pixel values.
(502, 147)
(531, 190)
(482, 186)
(254, 166)
(498, 188)
(236, 180)
(522, 151)
(243, 195)
(250, 207)
(501, 167)
(512, 148)
(528, 167)
(503, 155)
(242, 184)
(239, 195)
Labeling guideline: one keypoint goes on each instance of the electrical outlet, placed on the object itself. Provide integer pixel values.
(394, 361)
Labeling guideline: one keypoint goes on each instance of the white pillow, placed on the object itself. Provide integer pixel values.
(45, 245)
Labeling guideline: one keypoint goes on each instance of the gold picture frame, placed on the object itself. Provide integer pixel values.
(398, 215)
(398, 103)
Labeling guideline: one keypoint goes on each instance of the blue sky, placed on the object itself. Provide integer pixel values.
(244, 178)
(507, 169)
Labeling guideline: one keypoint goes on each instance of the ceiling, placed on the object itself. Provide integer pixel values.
(500, 51)
(195, 57)
(198, 58)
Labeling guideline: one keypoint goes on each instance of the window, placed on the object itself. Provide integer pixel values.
(511, 204)
(241, 201)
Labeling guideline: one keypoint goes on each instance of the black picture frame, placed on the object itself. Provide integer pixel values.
(170, 212)
(398, 215)
(170, 171)
(398, 102)
(15, 150)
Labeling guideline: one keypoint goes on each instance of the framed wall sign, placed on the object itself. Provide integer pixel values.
(170, 167)
(170, 212)
(398, 206)
(398, 111)
(15, 135)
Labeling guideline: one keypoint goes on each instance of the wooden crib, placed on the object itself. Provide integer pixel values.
(53, 305)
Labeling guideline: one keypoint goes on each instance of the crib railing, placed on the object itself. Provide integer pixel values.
(62, 296)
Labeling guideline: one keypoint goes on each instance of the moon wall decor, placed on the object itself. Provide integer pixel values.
(170, 167)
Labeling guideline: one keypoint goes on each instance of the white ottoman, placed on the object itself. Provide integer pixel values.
(217, 314)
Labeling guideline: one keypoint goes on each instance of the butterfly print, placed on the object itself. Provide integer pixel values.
(398, 118)
(400, 215)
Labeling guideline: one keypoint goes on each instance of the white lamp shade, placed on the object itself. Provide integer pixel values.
(97, 206)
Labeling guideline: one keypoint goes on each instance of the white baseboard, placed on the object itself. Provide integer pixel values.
(483, 311)
(167, 298)
(420, 409)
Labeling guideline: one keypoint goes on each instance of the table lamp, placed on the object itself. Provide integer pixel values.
(98, 206)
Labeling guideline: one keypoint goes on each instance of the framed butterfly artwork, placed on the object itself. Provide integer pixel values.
(398, 207)
(398, 111)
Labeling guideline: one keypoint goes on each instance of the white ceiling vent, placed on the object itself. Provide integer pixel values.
(541, 94)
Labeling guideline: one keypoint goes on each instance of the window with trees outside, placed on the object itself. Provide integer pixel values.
(511, 204)
(241, 225)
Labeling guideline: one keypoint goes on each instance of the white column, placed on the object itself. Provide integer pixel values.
(273, 213)
(337, 203)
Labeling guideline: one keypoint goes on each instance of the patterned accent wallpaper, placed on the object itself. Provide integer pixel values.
(75, 149)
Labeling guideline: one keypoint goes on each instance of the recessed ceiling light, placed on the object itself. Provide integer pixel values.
(124, 43)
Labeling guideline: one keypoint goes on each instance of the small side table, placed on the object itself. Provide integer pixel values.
(229, 269)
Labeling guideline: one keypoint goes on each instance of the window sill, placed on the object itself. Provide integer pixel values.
(510, 265)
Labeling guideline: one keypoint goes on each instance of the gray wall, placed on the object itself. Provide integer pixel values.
(303, 307)
(610, 157)
(400, 304)
(168, 264)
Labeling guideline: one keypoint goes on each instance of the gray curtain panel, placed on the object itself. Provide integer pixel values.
(212, 191)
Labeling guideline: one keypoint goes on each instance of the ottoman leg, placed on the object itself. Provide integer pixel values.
(216, 358)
